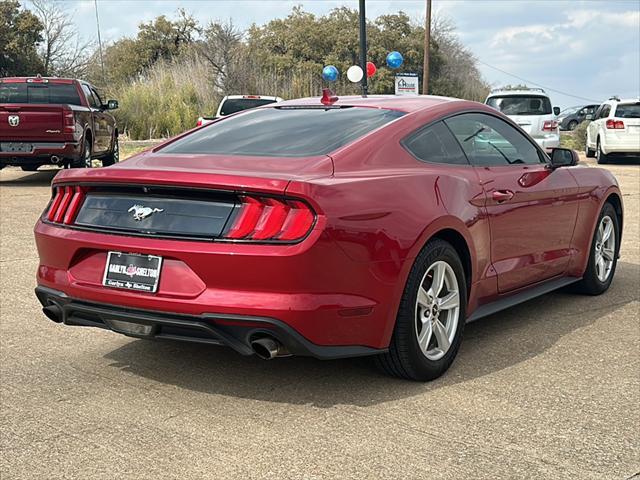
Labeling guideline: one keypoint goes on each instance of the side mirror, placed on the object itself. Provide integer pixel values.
(564, 157)
(112, 105)
(589, 117)
(556, 111)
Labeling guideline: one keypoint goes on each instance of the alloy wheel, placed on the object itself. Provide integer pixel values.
(437, 310)
(605, 247)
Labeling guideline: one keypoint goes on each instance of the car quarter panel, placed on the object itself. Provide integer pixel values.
(596, 186)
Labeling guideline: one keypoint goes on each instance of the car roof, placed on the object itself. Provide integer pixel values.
(37, 80)
(403, 103)
(250, 97)
(528, 92)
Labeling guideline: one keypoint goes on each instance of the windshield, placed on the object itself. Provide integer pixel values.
(569, 111)
(57, 93)
(628, 110)
(234, 105)
(521, 104)
(284, 131)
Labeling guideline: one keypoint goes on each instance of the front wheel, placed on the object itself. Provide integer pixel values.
(431, 317)
(572, 125)
(603, 256)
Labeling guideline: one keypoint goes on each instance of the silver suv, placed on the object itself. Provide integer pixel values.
(531, 109)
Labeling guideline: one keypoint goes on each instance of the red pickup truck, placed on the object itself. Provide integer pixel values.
(57, 121)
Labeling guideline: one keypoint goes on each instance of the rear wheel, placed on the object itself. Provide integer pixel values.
(114, 156)
(431, 317)
(601, 157)
(572, 125)
(603, 256)
(587, 151)
(85, 159)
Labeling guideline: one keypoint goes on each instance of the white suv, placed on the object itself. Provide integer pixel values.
(236, 103)
(615, 129)
(531, 109)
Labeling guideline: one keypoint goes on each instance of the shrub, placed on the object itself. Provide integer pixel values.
(575, 139)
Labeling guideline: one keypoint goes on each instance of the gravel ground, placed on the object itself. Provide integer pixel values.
(546, 390)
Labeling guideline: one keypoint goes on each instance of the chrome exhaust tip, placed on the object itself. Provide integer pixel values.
(268, 348)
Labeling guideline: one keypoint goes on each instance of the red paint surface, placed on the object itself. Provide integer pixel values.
(377, 206)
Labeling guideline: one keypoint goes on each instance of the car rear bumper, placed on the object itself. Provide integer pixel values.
(312, 287)
(613, 142)
(41, 153)
(548, 141)
(234, 331)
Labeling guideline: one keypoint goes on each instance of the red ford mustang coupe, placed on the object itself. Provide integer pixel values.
(357, 226)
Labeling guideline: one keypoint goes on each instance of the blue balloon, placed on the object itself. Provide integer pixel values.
(394, 60)
(330, 73)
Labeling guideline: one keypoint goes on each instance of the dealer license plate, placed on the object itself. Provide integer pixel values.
(132, 271)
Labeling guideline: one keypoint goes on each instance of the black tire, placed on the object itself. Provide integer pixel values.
(405, 358)
(30, 168)
(572, 125)
(590, 283)
(85, 159)
(601, 157)
(587, 151)
(114, 156)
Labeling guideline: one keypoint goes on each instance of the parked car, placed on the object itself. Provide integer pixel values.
(55, 121)
(237, 103)
(570, 118)
(531, 109)
(615, 130)
(355, 226)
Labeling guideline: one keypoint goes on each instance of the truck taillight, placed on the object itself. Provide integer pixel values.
(550, 125)
(69, 122)
(270, 219)
(65, 204)
(615, 124)
(199, 122)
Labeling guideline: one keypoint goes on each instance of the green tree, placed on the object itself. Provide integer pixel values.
(20, 34)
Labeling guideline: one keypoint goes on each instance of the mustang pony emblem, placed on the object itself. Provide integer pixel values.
(141, 212)
(14, 120)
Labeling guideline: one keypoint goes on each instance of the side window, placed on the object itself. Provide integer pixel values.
(435, 144)
(97, 97)
(489, 141)
(90, 98)
(606, 111)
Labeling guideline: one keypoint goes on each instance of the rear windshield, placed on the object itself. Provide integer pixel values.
(284, 131)
(521, 104)
(39, 93)
(234, 105)
(628, 110)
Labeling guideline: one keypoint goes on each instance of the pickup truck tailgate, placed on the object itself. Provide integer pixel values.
(31, 122)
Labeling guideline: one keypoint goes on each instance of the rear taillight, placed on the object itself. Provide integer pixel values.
(615, 124)
(65, 204)
(269, 219)
(199, 122)
(68, 122)
(550, 125)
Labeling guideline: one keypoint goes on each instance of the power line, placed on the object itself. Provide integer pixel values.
(537, 84)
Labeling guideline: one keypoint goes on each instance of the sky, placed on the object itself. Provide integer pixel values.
(578, 48)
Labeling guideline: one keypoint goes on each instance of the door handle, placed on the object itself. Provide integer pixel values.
(502, 195)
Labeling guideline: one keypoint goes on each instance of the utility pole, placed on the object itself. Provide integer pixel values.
(427, 41)
(363, 48)
(104, 81)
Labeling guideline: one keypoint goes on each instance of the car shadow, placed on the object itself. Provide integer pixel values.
(18, 178)
(490, 345)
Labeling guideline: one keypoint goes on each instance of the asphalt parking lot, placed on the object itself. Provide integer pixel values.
(548, 389)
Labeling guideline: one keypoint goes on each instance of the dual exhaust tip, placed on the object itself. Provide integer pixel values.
(265, 347)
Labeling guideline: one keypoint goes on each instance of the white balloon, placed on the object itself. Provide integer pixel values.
(355, 73)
